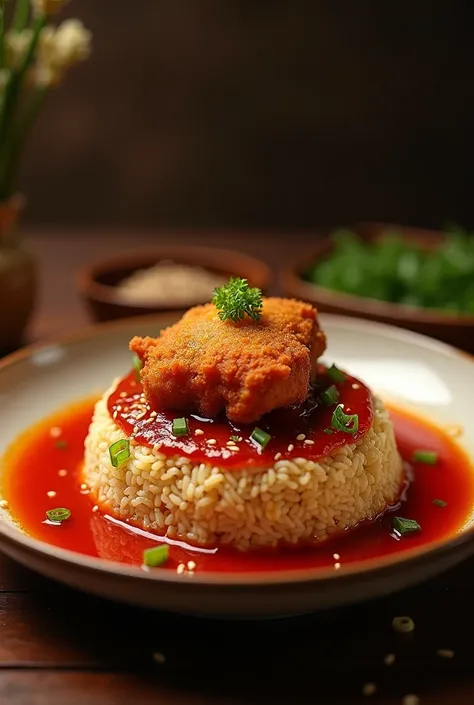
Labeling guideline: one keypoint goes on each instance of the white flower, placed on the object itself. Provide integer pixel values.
(60, 48)
(47, 7)
(16, 46)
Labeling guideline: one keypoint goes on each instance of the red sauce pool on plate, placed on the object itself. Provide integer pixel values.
(150, 426)
(47, 458)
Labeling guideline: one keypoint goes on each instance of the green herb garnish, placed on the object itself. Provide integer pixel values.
(260, 437)
(137, 367)
(440, 503)
(330, 396)
(335, 374)
(58, 515)
(348, 423)
(394, 268)
(236, 439)
(156, 556)
(236, 298)
(428, 457)
(403, 625)
(119, 452)
(405, 526)
(61, 443)
(180, 427)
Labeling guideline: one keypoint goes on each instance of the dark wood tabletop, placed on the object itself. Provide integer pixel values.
(58, 646)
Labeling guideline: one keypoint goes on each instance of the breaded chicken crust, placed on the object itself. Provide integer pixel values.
(204, 365)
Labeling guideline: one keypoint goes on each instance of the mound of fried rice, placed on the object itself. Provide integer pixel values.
(291, 501)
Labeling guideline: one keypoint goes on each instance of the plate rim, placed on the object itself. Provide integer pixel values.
(367, 568)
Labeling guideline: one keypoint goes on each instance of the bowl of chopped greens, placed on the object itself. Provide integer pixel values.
(416, 279)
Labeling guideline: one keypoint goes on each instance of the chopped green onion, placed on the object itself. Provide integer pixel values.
(403, 625)
(335, 374)
(156, 556)
(58, 515)
(137, 367)
(440, 503)
(180, 427)
(236, 439)
(260, 437)
(405, 526)
(428, 457)
(329, 431)
(61, 443)
(119, 452)
(348, 423)
(330, 396)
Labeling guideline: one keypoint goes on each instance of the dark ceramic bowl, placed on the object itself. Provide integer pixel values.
(454, 329)
(97, 282)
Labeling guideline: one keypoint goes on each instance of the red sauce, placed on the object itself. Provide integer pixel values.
(152, 426)
(33, 468)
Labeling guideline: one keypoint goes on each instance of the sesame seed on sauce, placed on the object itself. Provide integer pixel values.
(180, 568)
(290, 447)
(211, 442)
(199, 432)
(337, 566)
(300, 437)
(336, 556)
(62, 473)
(191, 565)
(123, 395)
(356, 386)
(55, 432)
(234, 448)
(84, 487)
(51, 494)
(277, 456)
(309, 442)
(95, 508)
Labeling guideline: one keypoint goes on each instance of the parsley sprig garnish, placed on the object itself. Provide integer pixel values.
(236, 298)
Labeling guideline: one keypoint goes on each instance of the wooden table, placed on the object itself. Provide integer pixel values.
(58, 646)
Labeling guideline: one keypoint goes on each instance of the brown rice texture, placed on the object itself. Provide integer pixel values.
(291, 501)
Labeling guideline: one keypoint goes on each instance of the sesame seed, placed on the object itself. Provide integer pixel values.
(290, 447)
(211, 442)
(235, 448)
(336, 556)
(308, 442)
(55, 432)
(191, 565)
(95, 508)
(300, 437)
(153, 414)
(411, 700)
(3, 504)
(369, 689)
(180, 568)
(158, 657)
(337, 566)
(84, 487)
(62, 473)
(199, 432)
(51, 493)
(445, 653)
(277, 456)
(115, 414)
(123, 395)
(356, 386)
(389, 659)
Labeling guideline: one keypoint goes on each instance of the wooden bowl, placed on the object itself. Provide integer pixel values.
(97, 282)
(449, 328)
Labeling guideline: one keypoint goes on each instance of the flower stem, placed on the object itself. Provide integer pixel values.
(11, 155)
(10, 100)
(22, 13)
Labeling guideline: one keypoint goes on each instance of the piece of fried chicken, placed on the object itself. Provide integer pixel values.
(204, 365)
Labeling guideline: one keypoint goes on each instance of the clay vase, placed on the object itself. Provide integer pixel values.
(18, 277)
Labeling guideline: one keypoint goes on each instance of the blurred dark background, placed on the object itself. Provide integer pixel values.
(276, 113)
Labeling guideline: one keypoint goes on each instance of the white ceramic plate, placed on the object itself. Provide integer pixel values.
(412, 370)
